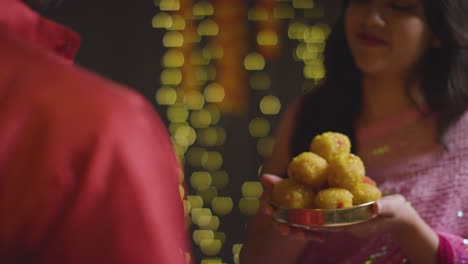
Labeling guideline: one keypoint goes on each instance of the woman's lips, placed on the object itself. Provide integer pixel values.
(370, 40)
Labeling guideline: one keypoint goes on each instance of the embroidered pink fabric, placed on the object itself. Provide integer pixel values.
(401, 155)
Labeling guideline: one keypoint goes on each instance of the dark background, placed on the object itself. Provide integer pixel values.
(117, 39)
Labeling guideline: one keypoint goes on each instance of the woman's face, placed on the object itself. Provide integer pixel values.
(387, 36)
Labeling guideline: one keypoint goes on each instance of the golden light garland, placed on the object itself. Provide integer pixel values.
(207, 68)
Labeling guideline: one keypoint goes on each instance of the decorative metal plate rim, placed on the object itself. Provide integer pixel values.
(324, 218)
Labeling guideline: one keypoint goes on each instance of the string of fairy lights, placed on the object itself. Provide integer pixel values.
(209, 71)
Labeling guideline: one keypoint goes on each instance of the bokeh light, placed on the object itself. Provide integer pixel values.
(194, 100)
(169, 5)
(220, 179)
(212, 51)
(214, 93)
(236, 248)
(257, 14)
(162, 20)
(173, 58)
(195, 201)
(177, 113)
(267, 38)
(173, 39)
(200, 118)
(208, 28)
(194, 156)
(187, 207)
(209, 194)
(259, 127)
(211, 224)
(178, 23)
(212, 160)
(303, 4)
(212, 136)
(249, 206)
(200, 235)
(222, 205)
(283, 12)
(212, 261)
(184, 136)
(190, 91)
(200, 180)
(202, 9)
(296, 30)
(197, 213)
(254, 61)
(166, 95)
(270, 105)
(171, 77)
(314, 70)
(214, 113)
(210, 247)
(314, 34)
(252, 189)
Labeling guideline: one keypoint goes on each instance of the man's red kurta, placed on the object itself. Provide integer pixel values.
(87, 171)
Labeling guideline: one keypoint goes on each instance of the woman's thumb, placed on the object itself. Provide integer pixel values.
(270, 179)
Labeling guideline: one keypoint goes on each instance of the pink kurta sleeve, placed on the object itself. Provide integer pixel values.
(452, 249)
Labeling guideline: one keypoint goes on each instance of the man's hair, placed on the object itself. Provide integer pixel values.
(42, 5)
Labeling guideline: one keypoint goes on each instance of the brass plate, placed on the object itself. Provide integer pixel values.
(319, 218)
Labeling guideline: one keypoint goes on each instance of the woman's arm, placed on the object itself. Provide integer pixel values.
(418, 241)
(264, 243)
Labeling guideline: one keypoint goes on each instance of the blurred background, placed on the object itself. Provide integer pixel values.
(220, 73)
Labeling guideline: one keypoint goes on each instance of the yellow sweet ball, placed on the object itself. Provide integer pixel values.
(334, 198)
(345, 171)
(309, 169)
(290, 194)
(364, 193)
(330, 145)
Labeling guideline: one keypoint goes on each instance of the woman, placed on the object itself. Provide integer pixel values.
(397, 85)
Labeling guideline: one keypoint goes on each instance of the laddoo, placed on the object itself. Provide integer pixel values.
(309, 169)
(287, 193)
(330, 145)
(369, 180)
(345, 171)
(364, 193)
(334, 198)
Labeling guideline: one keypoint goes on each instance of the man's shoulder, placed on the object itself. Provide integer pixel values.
(33, 78)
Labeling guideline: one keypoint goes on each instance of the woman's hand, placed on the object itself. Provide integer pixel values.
(266, 208)
(394, 215)
(418, 242)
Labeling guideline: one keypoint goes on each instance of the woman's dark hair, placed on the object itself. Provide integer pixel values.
(334, 105)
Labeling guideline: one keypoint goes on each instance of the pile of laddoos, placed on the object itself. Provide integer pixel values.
(327, 177)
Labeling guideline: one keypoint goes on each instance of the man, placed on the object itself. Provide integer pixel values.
(87, 173)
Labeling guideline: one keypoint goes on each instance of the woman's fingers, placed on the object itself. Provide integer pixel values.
(390, 205)
(269, 180)
(267, 209)
(283, 229)
(298, 233)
